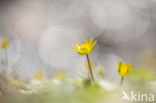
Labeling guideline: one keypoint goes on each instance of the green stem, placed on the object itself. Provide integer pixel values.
(122, 79)
(90, 69)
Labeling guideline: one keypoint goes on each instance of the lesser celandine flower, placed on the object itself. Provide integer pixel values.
(101, 71)
(85, 49)
(39, 76)
(59, 75)
(124, 70)
(5, 43)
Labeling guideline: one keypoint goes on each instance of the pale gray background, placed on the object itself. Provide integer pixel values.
(43, 31)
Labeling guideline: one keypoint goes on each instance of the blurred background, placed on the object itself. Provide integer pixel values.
(42, 32)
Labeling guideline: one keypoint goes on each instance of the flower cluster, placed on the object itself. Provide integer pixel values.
(87, 48)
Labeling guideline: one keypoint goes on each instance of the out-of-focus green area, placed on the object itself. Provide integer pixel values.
(142, 75)
(69, 90)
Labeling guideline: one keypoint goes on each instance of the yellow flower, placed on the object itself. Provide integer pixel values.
(59, 75)
(5, 43)
(101, 71)
(86, 47)
(124, 69)
(39, 75)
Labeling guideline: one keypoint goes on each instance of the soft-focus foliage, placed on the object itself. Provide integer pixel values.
(142, 75)
(70, 91)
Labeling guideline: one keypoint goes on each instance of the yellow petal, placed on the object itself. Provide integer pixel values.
(91, 41)
(78, 45)
(85, 42)
(119, 64)
(131, 68)
(75, 48)
(94, 43)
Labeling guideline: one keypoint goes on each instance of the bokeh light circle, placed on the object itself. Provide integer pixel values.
(110, 15)
(55, 47)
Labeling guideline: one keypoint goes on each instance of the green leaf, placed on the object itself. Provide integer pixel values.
(141, 75)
